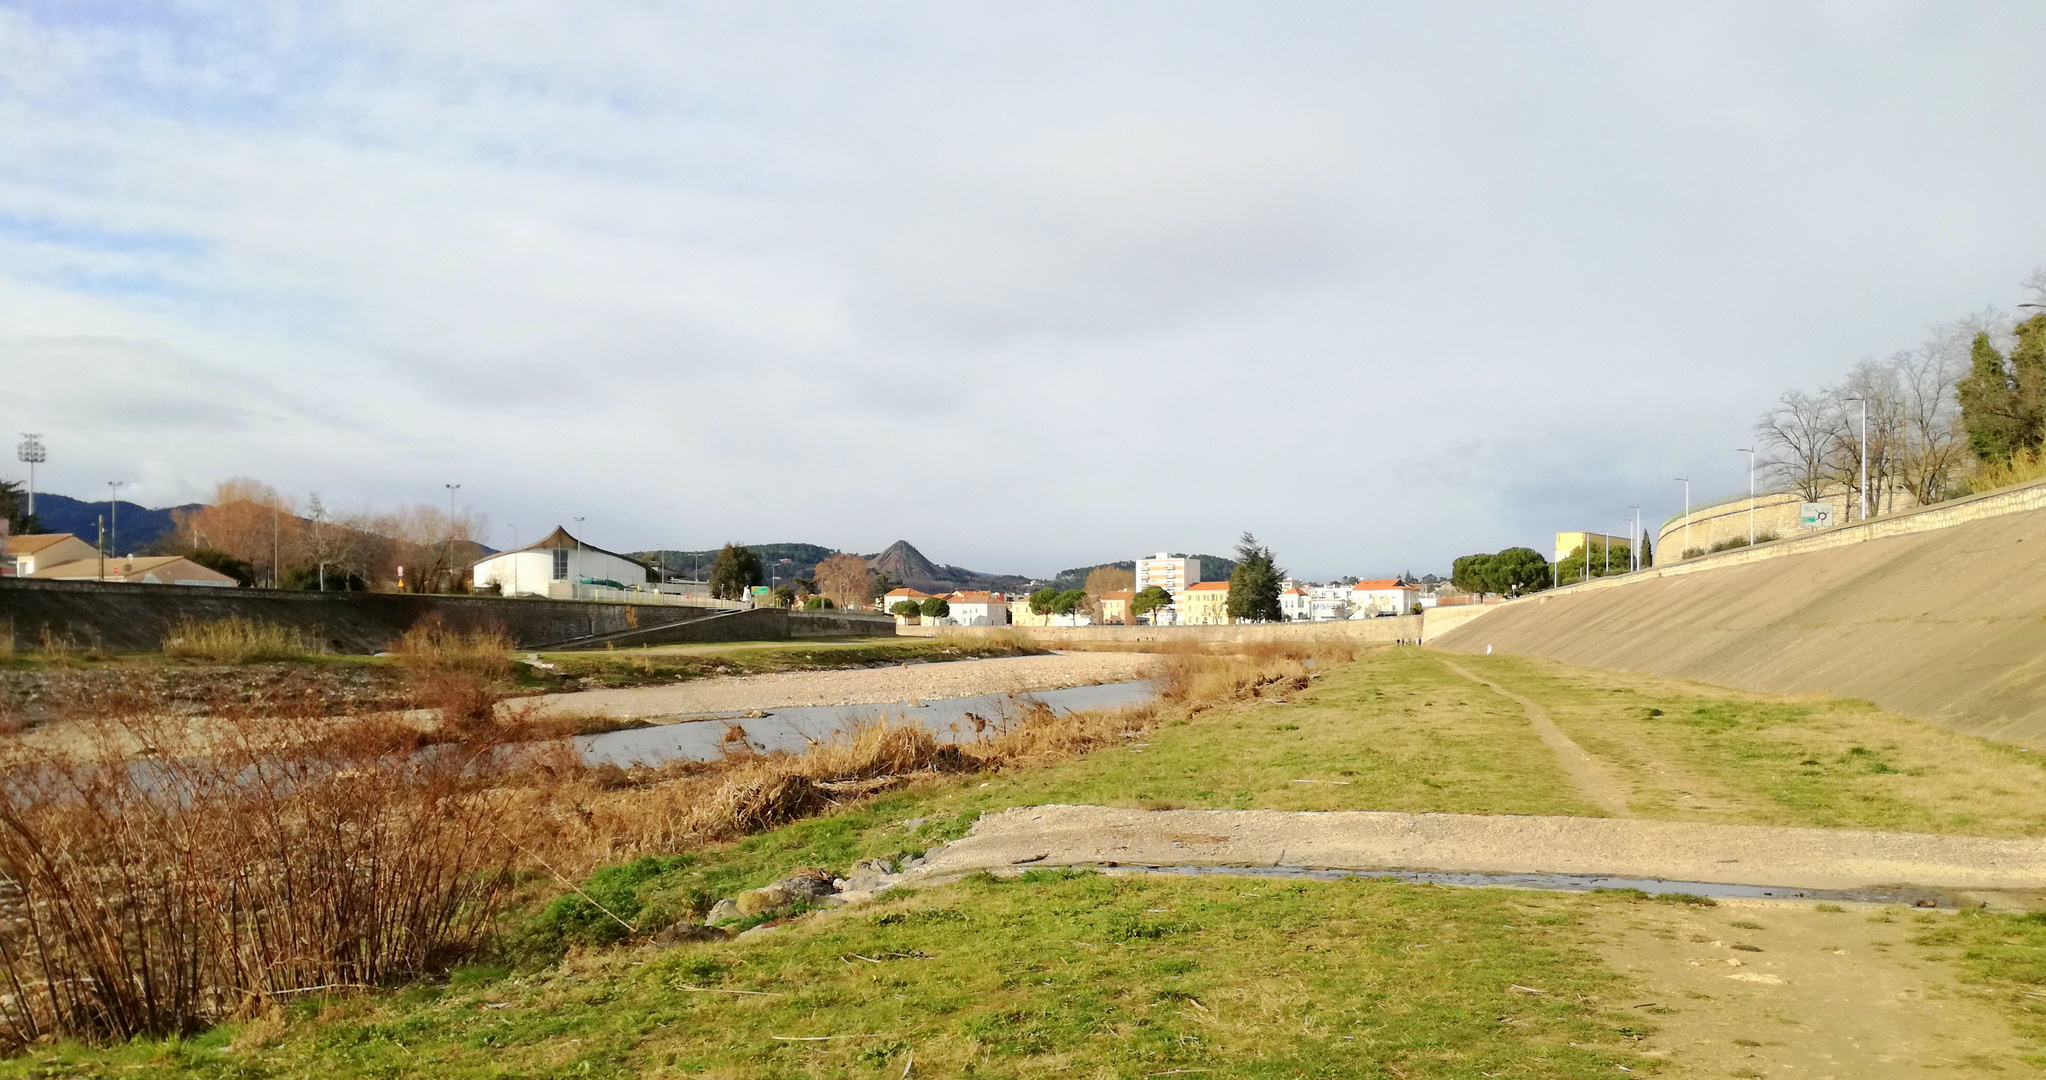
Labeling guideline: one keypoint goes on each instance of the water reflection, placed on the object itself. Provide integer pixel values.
(792, 729)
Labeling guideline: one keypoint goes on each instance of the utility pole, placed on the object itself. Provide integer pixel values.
(1634, 541)
(102, 547)
(578, 554)
(31, 451)
(1751, 491)
(114, 508)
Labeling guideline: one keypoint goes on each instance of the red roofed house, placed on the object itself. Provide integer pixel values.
(1293, 603)
(896, 596)
(978, 608)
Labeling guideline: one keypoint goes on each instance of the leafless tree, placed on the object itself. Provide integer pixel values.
(1798, 436)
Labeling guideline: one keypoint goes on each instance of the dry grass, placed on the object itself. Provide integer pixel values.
(238, 641)
(162, 873)
(432, 645)
(2023, 466)
(7, 640)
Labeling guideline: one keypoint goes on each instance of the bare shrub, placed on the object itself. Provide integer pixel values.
(238, 641)
(227, 870)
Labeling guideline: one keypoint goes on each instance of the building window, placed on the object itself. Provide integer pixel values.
(561, 564)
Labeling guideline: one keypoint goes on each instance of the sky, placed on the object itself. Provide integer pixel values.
(1030, 286)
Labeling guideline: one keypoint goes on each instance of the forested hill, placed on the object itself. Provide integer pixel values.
(901, 561)
(140, 526)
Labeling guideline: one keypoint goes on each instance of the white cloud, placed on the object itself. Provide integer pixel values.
(1385, 284)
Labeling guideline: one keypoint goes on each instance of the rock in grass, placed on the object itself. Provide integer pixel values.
(722, 911)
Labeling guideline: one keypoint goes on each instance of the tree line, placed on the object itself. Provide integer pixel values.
(1957, 412)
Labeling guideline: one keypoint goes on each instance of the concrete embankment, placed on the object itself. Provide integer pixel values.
(120, 617)
(1944, 623)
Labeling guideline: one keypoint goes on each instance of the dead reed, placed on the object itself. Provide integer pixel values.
(238, 641)
(235, 865)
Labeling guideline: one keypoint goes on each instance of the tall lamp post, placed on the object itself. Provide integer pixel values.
(515, 558)
(1686, 481)
(31, 451)
(1864, 455)
(114, 514)
(1750, 451)
(1634, 541)
(452, 488)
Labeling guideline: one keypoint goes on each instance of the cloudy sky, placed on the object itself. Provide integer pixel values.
(1029, 285)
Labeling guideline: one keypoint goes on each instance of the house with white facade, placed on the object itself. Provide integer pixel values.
(1173, 573)
(1383, 596)
(975, 608)
(1328, 603)
(1293, 602)
(26, 554)
(555, 566)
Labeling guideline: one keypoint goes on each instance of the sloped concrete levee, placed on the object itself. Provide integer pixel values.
(1940, 617)
(119, 617)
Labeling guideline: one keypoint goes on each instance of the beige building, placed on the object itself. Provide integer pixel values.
(1203, 604)
(1567, 542)
(1169, 572)
(24, 554)
(1115, 606)
(151, 570)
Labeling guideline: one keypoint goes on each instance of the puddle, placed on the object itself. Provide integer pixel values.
(793, 729)
(1905, 895)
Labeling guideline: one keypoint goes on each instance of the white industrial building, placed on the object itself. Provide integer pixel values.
(554, 566)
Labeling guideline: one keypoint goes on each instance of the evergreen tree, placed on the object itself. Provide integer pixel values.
(736, 570)
(1254, 584)
(2003, 399)
(1042, 600)
(1151, 599)
(1472, 574)
(14, 508)
(935, 607)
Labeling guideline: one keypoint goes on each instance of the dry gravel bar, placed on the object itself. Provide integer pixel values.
(908, 682)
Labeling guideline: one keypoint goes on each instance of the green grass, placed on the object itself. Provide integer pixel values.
(673, 664)
(2001, 954)
(1093, 976)
(1698, 753)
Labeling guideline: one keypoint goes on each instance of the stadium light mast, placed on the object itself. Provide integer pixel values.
(1864, 455)
(31, 451)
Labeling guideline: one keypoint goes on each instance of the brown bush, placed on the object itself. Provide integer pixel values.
(234, 864)
(431, 644)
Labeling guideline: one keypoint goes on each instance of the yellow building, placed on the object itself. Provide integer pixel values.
(1115, 606)
(1205, 604)
(1567, 542)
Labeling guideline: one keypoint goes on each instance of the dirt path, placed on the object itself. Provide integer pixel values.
(1585, 771)
(907, 682)
(1849, 859)
(1776, 989)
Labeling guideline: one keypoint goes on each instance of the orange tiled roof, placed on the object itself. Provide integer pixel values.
(1379, 583)
(1208, 586)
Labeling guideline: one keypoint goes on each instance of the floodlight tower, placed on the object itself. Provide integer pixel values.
(32, 452)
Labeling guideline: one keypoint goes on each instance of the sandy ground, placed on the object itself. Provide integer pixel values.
(908, 682)
(1825, 995)
(1839, 859)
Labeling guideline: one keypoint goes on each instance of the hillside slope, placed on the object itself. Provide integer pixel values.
(1948, 626)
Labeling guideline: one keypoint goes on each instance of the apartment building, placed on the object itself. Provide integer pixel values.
(1383, 596)
(1167, 571)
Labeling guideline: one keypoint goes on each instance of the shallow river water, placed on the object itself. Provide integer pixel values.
(702, 738)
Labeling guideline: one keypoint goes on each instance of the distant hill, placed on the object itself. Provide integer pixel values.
(140, 526)
(902, 560)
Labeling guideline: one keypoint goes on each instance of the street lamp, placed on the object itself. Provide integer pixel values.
(114, 514)
(1864, 454)
(1748, 450)
(31, 451)
(1687, 516)
(1634, 540)
(452, 488)
(515, 558)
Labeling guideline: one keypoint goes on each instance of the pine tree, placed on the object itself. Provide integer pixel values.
(1254, 584)
(736, 570)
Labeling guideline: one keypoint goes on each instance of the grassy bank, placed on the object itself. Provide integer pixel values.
(1701, 753)
(1068, 974)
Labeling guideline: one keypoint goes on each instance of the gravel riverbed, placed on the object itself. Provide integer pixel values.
(908, 682)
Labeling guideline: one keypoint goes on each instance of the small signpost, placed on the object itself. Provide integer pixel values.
(1815, 515)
